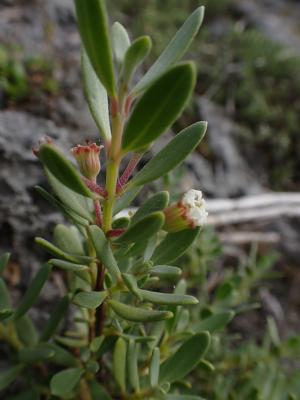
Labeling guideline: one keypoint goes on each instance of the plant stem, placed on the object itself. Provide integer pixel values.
(112, 171)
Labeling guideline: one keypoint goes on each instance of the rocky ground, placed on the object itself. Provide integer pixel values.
(48, 28)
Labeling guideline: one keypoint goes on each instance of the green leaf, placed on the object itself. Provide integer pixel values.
(165, 271)
(62, 169)
(31, 355)
(32, 293)
(50, 248)
(215, 322)
(104, 251)
(62, 356)
(57, 315)
(154, 367)
(80, 205)
(143, 229)
(7, 377)
(67, 239)
(135, 314)
(5, 301)
(167, 298)
(68, 266)
(174, 51)
(124, 201)
(65, 381)
(63, 208)
(93, 28)
(96, 96)
(132, 364)
(121, 41)
(174, 245)
(96, 343)
(171, 155)
(98, 392)
(155, 203)
(26, 331)
(4, 261)
(159, 107)
(119, 363)
(135, 55)
(90, 299)
(186, 358)
(131, 284)
(5, 313)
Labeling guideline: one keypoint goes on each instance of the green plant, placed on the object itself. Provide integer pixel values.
(127, 340)
(24, 78)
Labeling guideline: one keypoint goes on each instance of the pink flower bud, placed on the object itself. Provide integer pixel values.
(189, 212)
(88, 160)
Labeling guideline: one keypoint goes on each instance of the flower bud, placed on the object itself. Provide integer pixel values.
(88, 160)
(189, 212)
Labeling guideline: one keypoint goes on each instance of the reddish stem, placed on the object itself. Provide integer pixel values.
(115, 232)
(135, 159)
(98, 212)
(95, 188)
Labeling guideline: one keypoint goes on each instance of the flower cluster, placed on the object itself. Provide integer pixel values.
(88, 160)
(189, 212)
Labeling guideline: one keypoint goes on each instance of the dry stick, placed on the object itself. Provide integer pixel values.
(253, 208)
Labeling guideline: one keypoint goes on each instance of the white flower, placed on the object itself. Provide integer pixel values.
(195, 206)
(188, 213)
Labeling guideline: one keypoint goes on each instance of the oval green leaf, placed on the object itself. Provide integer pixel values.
(65, 381)
(172, 154)
(165, 271)
(155, 203)
(26, 331)
(168, 298)
(90, 300)
(135, 55)
(68, 266)
(121, 41)
(174, 51)
(32, 293)
(159, 107)
(143, 229)
(50, 248)
(132, 363)
(96, 96)
(119, 363)
(104, 251)
(136, 314)
(154, 367)
(62, 169)
(93, 28)
(174, 245)
(186, 358)
(80, 205)
(215, 322)
(36, 354)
